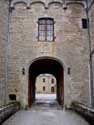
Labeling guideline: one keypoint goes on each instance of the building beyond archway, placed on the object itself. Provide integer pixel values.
(50, 66)
(45, 84)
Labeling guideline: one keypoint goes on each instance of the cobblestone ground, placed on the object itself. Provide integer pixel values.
(45, 113)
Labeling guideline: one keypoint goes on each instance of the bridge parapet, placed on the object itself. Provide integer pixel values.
(7, 110)
(86, 112)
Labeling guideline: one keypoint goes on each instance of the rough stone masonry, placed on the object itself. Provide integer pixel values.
(19, 46)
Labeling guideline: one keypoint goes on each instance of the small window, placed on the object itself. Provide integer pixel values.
(69, 70)
(12, 97)
(52, 81)
(43, 88)
(23, 71)
(43, 79)
(46, 29)
(84, 23)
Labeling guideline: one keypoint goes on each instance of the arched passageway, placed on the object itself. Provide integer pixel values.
(49, 66)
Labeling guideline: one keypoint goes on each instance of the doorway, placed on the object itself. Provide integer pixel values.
(46, 65)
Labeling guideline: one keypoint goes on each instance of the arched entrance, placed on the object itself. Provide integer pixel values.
(50, 66)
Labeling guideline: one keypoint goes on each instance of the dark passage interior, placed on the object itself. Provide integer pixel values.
(49, 66)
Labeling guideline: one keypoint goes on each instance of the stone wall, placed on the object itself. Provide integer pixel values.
(3, 48)
(70, 46)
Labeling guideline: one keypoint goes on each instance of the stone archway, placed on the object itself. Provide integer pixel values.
(46, 65)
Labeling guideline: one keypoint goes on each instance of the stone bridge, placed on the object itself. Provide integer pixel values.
(47, 113)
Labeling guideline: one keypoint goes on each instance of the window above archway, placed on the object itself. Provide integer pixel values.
(46, 29)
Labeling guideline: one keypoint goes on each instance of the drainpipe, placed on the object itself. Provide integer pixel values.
(91, 91)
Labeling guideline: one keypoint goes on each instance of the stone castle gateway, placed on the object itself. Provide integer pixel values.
(44, 36)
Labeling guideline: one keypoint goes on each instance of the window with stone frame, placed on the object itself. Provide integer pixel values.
(43, 88)
(43, 79)
(52, 89)
(52, 80)
(46, 29)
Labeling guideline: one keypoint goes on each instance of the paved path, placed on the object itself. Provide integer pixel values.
(48, 113)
